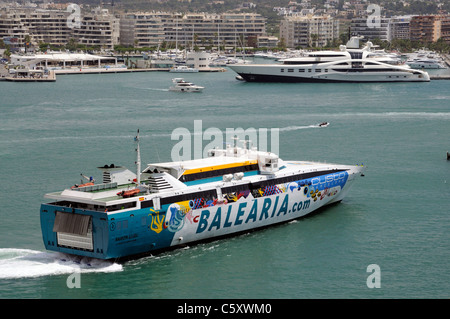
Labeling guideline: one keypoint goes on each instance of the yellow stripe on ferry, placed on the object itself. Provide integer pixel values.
(218, 167)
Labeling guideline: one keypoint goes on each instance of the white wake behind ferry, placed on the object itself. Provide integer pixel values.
(172, 204)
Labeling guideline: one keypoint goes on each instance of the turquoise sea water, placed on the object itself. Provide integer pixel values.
(396, 217)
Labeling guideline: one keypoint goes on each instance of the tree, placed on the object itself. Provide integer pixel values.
(72, 44)
(313, 38)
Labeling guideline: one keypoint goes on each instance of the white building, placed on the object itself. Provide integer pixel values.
(192, 29)
(399, 27)
(98, 29)
(308, 31)
(371, 28)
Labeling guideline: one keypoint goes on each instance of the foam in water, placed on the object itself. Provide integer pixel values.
(23, 263)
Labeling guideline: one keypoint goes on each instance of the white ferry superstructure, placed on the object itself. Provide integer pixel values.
(173, 204)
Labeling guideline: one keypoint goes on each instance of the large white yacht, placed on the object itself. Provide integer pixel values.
(425, 64)
(425, 59)
(350, 64)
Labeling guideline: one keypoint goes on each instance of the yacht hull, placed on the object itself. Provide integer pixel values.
(326, 74)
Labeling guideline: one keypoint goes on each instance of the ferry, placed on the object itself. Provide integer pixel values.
(168, 205)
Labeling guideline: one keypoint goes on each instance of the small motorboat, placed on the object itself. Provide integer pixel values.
(183, 69)
(323, 124)
(182, 86)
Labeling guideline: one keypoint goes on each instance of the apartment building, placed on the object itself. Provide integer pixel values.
(426, 28)
(192, 29)
(12, 29)
(445, 28)
(400, 27)
(371, 28)
(98, 29)
(143, 29)
(267, 42)
(44, 26)
(308, 31)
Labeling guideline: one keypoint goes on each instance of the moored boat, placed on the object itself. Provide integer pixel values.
(346, 65)
(183, 69)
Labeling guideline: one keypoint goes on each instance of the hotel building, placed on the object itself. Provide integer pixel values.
(99, 28)
(308, 31)
(192, 29)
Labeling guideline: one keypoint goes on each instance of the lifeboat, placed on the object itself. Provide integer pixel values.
(82, 185)
(129, 193)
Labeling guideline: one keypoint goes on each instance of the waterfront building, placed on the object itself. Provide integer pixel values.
(399, 27)
(143, 29)
(60, 62)
(307, 31)
(426, 28)
(229, 29)
(12, 30)
(445, 28)
(98, 29)
(192, 29)
(267, 42)
(371, 28)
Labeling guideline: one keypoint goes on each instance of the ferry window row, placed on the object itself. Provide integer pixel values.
(211, 194)
(97, 208)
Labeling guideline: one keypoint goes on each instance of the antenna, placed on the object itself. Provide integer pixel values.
(138, 160)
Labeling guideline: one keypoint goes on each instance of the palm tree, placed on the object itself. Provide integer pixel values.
(313, 38)
(27, 42)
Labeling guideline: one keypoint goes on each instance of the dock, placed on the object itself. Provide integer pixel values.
(106, 70)
(38, 76)
(439, 77)
(31, 77)
(122, 70)
(446, 59)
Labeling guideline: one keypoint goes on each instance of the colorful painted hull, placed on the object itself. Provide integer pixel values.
(146, 230)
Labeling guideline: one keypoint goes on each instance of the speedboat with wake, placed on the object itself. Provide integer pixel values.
(180, 85)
